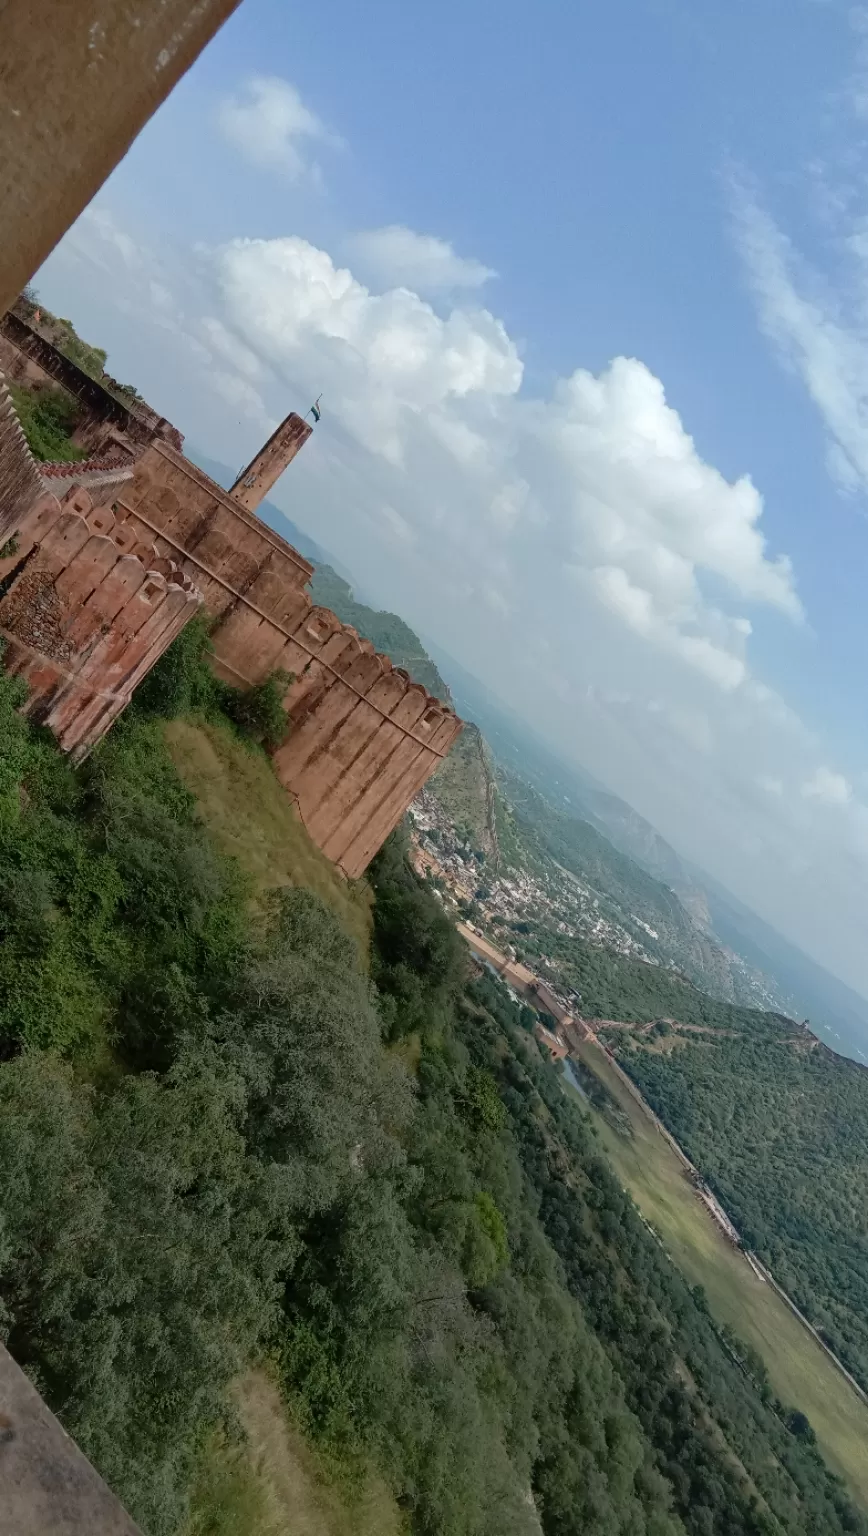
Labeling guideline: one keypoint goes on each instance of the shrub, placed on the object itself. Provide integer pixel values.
(48, 419)
(259, 711)
(184, 682)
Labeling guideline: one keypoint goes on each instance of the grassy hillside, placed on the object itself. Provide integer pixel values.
(464, 786)
(645, 907)
(573, 884)
(48, 418)
(252, 819)
(580, 848)
(270, 1481)
(291, 1243)
(799, 1371)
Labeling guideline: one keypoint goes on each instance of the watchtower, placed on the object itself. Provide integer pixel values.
(255, 482)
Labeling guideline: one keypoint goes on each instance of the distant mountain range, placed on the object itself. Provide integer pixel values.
(836, 1012)
(723, 946)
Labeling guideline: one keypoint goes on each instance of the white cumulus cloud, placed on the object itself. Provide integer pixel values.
(602, 478)
(828, 787)
(398, 256)
(377, 357)
(592, 504)
(269, 124)
(655, 508)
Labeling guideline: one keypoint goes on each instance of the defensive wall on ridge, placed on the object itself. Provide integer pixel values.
(364, 737)
(105, 421)
(86, 608)
(20, 479)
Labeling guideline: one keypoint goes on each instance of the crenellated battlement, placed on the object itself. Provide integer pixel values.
(87, 608)
(20, 479)
(363, 736)
(94, 593)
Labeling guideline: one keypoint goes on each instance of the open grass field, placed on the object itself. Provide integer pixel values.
(801, 1374)
(252, 818)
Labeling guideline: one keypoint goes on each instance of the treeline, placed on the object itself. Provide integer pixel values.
(780, 1129)
(730, 1459)
(632, 991)
(223, 1140)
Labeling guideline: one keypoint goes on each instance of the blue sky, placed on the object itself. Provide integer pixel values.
(586, 291)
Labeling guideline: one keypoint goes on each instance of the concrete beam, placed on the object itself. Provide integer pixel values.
(78, 82)
(46, 1484)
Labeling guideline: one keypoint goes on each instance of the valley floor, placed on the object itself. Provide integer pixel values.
(799, 1369)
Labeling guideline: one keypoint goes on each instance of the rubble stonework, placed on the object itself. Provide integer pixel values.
(87, 608)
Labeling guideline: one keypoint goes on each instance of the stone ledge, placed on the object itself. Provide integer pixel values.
(46, 1483)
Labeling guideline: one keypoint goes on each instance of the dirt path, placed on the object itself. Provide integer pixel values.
(299, 1499)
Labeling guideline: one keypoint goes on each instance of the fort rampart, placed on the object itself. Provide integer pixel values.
(364, 737)
(87, 607)
(104, 576)
(20, 479)
(105, 421)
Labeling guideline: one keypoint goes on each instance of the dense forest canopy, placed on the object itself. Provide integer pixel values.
(224, 1140)
(779, 1125)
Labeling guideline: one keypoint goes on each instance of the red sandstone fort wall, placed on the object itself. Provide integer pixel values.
(364, 736)
(27, 357)
(87, 611)
(98, 593)
(20, 480)
(193, 518)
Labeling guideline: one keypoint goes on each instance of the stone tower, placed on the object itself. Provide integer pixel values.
(255, 482)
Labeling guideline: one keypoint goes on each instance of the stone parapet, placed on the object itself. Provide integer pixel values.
(102, 478)
(87, 608)
(20, 478)
(363, 736)
(46, 1484)
(29, 357)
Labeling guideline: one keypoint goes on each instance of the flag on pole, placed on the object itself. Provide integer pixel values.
(315, 411)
